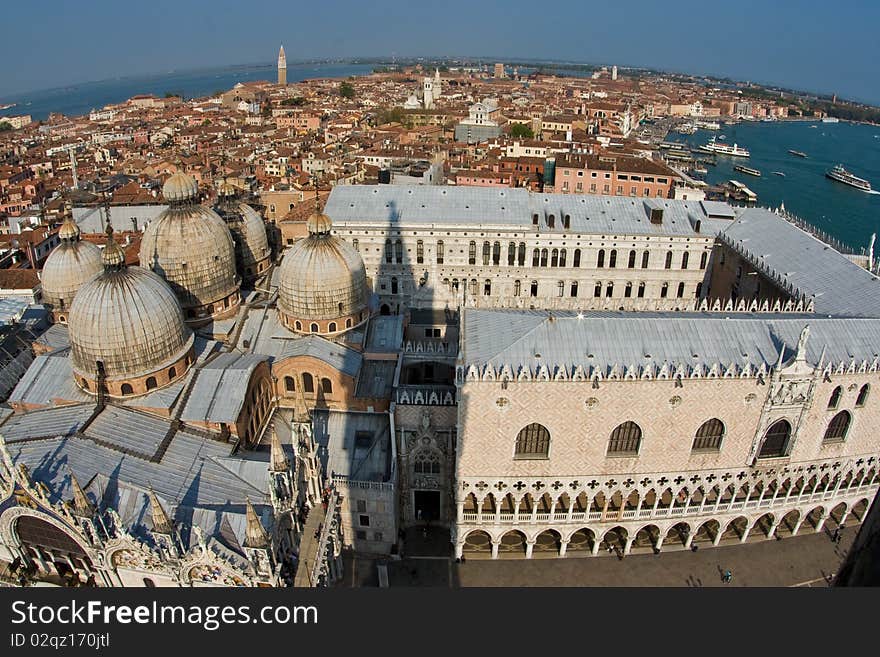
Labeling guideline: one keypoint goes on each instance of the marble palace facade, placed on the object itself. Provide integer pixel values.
(537, 373)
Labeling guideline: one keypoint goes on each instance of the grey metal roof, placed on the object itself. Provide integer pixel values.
(385, 333)
(55, 337)
(49, 377)
(220, 388)
(839, 286)
(376, 379)
(196, 479)
(346, 360)
(342, 452)
(474, 207)
(601, 340)
(57, 421)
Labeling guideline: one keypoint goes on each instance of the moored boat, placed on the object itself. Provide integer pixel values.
(748, 170)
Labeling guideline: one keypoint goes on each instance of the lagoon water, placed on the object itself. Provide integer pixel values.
(848, 214)
(844, 212)
(77, 99)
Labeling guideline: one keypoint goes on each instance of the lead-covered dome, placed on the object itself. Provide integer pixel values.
(248, 232)
(190, 246)
(71, 263)
(323, 283)
(128, 319)
(180, 187)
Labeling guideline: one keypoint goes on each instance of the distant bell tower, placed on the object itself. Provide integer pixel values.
(428, 89)
(282, 67)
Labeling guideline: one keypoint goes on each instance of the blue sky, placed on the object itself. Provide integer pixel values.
(823, 46)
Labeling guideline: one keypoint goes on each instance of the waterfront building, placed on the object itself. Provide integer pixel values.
(614, 175)
(535, 372)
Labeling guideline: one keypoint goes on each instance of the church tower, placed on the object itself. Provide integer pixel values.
(428, 89)
(437, 91)
(282, 67)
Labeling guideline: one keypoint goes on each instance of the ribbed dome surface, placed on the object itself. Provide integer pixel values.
(322, 277)
(130, 320)
(70, 264)
(191, 248)
(180, 187)
(249, 234)
(318, 222)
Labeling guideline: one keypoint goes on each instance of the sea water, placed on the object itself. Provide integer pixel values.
(846, 213)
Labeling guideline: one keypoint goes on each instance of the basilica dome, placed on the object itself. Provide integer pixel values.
(248, 232)
(190, 247)
(323, 284)
(128, 319)
(70, 264)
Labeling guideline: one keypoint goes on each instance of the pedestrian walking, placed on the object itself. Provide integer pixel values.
(837, 535)
(727, 576)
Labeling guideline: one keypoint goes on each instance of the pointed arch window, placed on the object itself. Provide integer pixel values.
(863, 395)
(837, 428)
(709, 435)
(776, 440)
(532, 441)
(834, 400)
(625, 439)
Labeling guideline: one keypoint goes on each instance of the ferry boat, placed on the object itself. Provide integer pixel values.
(830, 119)
(840, 174)
(748, 170)
(8, 106)
(708, 125)
(724, 149)
(798, 153)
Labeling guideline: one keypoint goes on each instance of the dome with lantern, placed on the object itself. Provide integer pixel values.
(71, 263)
(126, 330)
(190, 247)
(323, 283)
(248, 232)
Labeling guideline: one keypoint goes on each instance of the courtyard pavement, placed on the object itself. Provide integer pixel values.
(804, 560)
